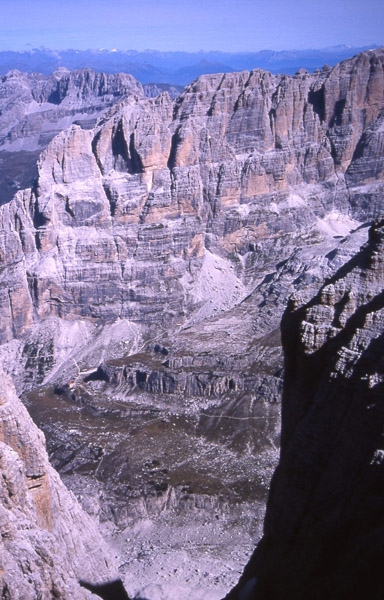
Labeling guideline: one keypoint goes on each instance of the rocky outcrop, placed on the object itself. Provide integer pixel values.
(151, 90)
(210, 393)
(323, 528)
(34, 108)
(48, 542)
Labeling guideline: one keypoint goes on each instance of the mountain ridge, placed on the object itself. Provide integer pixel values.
(35, 107)
(174, 67)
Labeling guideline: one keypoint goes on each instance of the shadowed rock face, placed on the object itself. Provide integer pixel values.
(108, 591)
(35, 107)
(48, 542)
(323, 527)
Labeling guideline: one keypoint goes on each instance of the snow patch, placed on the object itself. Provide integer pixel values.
(274, 208)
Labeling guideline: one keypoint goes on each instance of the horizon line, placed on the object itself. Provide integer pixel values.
(373, 46)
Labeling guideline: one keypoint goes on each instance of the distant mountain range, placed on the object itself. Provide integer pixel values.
(178, 68)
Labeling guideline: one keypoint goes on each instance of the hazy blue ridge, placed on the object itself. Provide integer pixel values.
(178, 68)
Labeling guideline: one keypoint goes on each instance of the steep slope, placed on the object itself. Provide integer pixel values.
(35, 107)
(48, 542)
(323, 528)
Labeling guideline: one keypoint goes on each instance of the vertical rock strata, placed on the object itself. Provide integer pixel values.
(35, 107)
(323, 533)
(47, 541)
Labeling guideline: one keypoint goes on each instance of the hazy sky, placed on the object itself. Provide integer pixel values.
(230, 25)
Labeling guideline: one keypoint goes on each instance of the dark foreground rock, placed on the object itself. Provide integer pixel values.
(323, 536)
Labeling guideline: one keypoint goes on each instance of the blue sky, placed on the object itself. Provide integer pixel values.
(228, 25)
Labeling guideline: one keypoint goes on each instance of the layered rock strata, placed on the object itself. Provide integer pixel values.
(170, 213)
(323, 528)
(48, 542)
(34, 108)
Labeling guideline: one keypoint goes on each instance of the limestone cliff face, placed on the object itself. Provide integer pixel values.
(33, 105)
(34, 108)
(47, 541)
(323, 528)
(152, 214)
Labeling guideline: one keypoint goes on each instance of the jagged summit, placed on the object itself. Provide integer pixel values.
(35, 107)
(33, 104)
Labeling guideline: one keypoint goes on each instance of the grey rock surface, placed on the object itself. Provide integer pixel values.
(170, 455)
(170, 214)
(48, 542)
(151, 90)
(35, 107)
